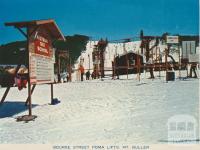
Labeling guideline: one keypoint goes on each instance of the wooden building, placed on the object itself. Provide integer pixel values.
(130, 63)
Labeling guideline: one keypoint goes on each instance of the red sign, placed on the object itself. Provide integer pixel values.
(42, 46)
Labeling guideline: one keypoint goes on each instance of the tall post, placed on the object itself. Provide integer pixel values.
(153, 65)
(127, 64)
(166, 63)
(114, 67)
(156, 54)
(29, 81)
(51, 93)
(147, 50)
(59, 77)
(101, 49)
(89, 61)
(70, 70)
(160, 57)
(141, 38)
(147, 42)
(102, 62)
(138, 66)
(179, 65)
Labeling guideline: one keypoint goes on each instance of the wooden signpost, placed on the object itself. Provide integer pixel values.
(170, 40)
(40, 34)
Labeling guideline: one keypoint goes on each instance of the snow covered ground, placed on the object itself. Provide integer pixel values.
(100, 112)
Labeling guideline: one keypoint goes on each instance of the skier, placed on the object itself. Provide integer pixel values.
(82, 70)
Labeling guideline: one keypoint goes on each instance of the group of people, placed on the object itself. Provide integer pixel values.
(87, 74)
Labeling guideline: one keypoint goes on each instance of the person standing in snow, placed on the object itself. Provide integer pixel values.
(92, 75)
(67, 77)
(193, 68)
(82, 70)
(150, 63)
(88, 75)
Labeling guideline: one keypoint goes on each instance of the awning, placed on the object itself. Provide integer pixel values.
(49, 24)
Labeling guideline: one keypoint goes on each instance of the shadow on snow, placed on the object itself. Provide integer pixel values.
(9, 109)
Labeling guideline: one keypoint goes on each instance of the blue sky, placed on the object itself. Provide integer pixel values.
(114, 19)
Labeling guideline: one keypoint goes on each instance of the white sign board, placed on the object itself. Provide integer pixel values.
(188, 48)
(172, 40)
(41, 70)
(41, 58)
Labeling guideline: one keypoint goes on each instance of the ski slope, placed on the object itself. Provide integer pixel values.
(100, 112)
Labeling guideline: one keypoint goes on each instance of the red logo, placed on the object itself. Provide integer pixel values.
(41, 46)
